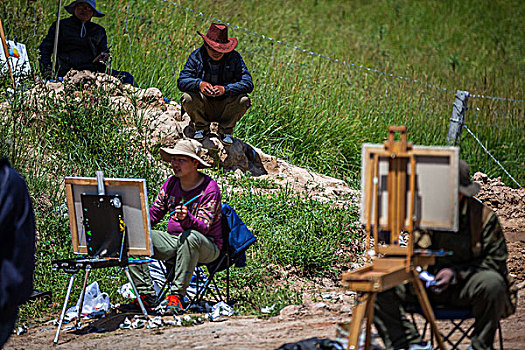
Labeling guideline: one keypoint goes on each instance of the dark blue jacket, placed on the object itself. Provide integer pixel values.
(74, 52)
(17, 234)
(234, 75)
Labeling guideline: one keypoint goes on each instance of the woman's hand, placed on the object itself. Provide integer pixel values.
(180, 212)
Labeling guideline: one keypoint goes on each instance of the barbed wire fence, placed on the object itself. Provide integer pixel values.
(505, 122)
(485, 115)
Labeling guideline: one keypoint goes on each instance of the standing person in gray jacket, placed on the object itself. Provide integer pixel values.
(216, 84)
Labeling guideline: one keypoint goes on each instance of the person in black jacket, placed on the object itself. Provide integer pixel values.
(82, 44)
(216, 84)
(17, 251)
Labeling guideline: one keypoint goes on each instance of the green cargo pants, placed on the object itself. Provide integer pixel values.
(203, 110)
(188, 249)
(484, 292)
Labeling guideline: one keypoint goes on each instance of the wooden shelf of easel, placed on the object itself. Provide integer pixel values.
(383, 274)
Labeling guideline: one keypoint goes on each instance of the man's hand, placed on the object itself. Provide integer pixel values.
(103, 58)
(219, 90)
(207, 89)
(443, 279)
(180, 212)
(210, 90)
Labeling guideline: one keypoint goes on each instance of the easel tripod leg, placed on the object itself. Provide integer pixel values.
(64, 307)
(82, 295)
(126, 270)
(369, 318)
(427, 309)
(365, 303)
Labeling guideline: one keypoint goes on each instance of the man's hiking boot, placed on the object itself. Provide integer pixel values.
(174, 304)
(199, 135)
(147, 300)
(227, 139)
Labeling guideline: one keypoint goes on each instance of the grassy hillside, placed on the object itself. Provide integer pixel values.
(316, 112)
(313, 111)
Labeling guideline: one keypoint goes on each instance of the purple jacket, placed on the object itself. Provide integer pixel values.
(204, 213)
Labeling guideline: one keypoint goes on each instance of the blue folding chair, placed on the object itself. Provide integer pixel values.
(236, 239)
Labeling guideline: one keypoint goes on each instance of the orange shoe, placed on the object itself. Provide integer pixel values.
(174, 304)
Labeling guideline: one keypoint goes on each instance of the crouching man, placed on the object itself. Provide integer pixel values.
(194, 233)
(215, 82)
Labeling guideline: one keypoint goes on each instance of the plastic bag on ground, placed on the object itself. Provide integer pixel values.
(126, 290)
(94, 301)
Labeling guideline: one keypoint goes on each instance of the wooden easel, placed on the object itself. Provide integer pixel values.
(6, 53)
(398, 265)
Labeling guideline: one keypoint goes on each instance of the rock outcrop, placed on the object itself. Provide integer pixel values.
(165, 125)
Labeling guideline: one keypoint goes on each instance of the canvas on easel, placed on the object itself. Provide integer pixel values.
(134, 206)
(105, 229)
(435, 206)
(18, 60)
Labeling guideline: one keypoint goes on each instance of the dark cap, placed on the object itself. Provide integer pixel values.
(466, 186)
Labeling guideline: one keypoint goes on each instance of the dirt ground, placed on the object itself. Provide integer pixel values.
(296, 322)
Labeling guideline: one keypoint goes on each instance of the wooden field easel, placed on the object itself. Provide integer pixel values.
(6, 53)
(398, 264)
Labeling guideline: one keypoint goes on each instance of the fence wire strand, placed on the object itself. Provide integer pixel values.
(491, 156)
(315, 54)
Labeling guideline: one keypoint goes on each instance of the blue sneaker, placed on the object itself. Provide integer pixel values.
(199, 135)
(421, 346)
(227, 139)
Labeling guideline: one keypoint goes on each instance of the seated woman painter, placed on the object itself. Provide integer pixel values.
(194, 234)
(82, 44)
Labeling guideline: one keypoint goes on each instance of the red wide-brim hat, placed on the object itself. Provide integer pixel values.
(217, 38)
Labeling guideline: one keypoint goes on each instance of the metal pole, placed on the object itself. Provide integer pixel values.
(457, 120)
(61, 319)
(100, 182)
(55, 46)
(6, 53)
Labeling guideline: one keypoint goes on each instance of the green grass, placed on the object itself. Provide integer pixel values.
(308, 110)
(315, 112)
